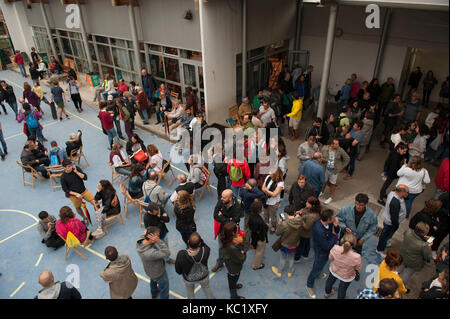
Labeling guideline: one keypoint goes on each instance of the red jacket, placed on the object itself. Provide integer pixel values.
(75, 226)
(245, 170)
(106, 119)
(18, 58)
(142, 99)
(442, 176)
(122, 88)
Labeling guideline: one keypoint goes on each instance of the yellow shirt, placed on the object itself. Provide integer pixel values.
(297, 108)
(384, 272)
(39, 92)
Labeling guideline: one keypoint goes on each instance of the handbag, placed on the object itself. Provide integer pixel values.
(277, 245)
(436, 143)
(140, 156)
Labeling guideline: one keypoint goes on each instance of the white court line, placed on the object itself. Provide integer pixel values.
(17, 290)
(137, 275)
(199, 286)
(39, 260)
(19, 134)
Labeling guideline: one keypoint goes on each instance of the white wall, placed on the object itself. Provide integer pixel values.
(19, 30)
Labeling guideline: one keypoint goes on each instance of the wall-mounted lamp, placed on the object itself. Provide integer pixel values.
(188, 15)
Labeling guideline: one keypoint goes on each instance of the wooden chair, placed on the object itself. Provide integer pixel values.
(83, 245)
(162, 174)
(142, 212)
(117, 176)
(206, 185)
(53, 175)
(27, 169)
(75, 157)
(127, 200)
(111, 220)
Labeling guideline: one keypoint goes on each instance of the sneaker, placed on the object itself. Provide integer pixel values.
(60, 118)
(382, 174)
(157, 123)
(389, 244)
(296, 261)
(321, 193)
(239, 286)
(216, 268)
(329, 200)
(384, 178)
(45, 140)
(322, 276)
(381, 253)
(331, 293)
(347, 177)
(275, 271)
(3, 157)
(381, 202)
(305, 258)
(311, 292)
(67, 116)
(433, 255)
(289, 274)
(99, 233)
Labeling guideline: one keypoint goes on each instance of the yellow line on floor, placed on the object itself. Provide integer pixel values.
(138, 275)
(17, 290)
(39, 260)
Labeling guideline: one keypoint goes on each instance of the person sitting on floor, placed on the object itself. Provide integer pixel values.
(46, 228)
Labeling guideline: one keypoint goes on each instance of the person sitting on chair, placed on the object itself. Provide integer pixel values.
(74, 142)
(196, 175)
(119, 160)
(46, 228)
(183, 185)
(28, 157)
(69, 223)
(110, 206)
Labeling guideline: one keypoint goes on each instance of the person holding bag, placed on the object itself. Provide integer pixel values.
(192, 264)
(344, 265)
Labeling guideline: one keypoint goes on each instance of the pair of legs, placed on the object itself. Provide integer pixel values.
(118, 128)
(426, 96)
(303, 248)
(293, 128)
(145, 115)
(22, 70)
(204, 283)
(386, 234)
(129, 129)
(112, 136)
(259, 254)
(88, 197)
(98, 92)
(13, 106)
(76, 99)
(320, 260)
(61, 110)
(36, 131)
(270, 213)
(408, 203)
(163, 283)
(286, 258)
(386, 184)
(113, 94)
(343, 286)
(331, 180)
(4, 147)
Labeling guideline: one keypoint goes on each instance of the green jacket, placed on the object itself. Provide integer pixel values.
(387, 92)
(414, 250)
(289, 230)
(256, 104)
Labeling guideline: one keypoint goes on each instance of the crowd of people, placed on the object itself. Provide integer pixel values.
(332, 146)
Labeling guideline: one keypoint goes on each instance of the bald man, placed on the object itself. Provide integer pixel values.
(226, 210)
(393, 215)
(55, 290)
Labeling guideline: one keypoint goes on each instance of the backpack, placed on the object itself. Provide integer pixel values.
(31, 121)
(164, 162)
(236, 173)
(198, 270)
(54, 160)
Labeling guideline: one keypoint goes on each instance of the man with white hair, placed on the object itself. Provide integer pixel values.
(196, 175)
(55, 290)
(183, 185)
(245, 107)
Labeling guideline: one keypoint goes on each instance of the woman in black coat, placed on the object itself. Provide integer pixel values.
(258, 229)
(184, 210)
(110, 205)
(220, 170)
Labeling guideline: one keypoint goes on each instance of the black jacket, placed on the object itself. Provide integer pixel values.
(258, 229)
(233, 213)
(298, 197)
(233, 257)
(148, 81)
(106, 197)
(72, 182)
(393, 163)
(220, 170)
(426, 218)
(433, 293)
(160, 222)
(34, 73)
(184, 262)
(185, 219)
(8, 94)
(188, 187)
(59, 290)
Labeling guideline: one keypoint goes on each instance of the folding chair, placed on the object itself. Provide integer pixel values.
(75, 157)
(163, 174)
(127, 200)
(111, 220)
(83, 245)
(53, 175)
(206, 185)
(27, 169)
(114, 175)
(142, 212)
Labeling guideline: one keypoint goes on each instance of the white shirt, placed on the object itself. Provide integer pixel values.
(413, 179)
(158, 160)
(276, 199)
(116, 159)
(268, 116)
(396, 138)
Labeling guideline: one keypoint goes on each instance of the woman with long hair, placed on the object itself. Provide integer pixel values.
(119, 160)
(184, 210)
(414, 176)
(234, 256)
(156, 158)
(344, 265)
(258, 230)
(374, 89)
(31, 97)
(419, 145)
(137, 178)
(110, 205)
(69, 223)
(309, 215)
(32, 118)
(272, 187)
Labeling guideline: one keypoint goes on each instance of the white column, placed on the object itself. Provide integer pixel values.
(244, 48)
(134, 35)
(49, 32)
(85, 38)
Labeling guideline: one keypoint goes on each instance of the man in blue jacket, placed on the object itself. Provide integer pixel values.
(314, 172)
(324, 236)
(358, 219)
(249, 193)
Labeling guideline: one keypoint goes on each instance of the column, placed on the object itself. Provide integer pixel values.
(49, 33)
(85, 38)
(244, 48)
(381, 46)
(327, 59)
(137, 55)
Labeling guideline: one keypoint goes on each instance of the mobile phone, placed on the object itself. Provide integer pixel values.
(282, 216)
(430, 240)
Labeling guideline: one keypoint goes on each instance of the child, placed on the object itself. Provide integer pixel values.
(57, 95)
(295, 116)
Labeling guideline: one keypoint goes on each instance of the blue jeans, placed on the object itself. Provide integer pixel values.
(443, 149)
(320, 260)
(408, 203)
(13, 106)
(124, 170)
(342, 286)
(105, 95)
(289, 258)
(112, 135)
(36, 132)
(236, 191)
(148, 92)
(2, 141)
(163, 283)
(386, 234)
(303, 248)
(160, 116)
(22, 70)
(118, 128)
(351, 165)
(144, 115)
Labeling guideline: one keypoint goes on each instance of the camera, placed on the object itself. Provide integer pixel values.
(282, 216)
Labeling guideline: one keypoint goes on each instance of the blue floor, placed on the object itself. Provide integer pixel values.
(20, 254)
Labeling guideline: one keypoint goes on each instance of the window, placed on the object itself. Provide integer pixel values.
(81, 65)
(157, 65)
(63, 33)
(172, 51)
(174, 88)
(101, 39)
(172, 70)
(107, 69)
(155, 47)
(66, 46)
(189, 75)
(118, 42)
(104, 54)
(92, 52)
(191, 55)
(78, 49)
(121, 58)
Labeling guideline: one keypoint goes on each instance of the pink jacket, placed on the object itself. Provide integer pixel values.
(355, 89)
(37, 115)
(73, 225)
(344, 265)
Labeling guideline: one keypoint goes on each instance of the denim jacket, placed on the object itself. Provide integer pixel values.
(367, 225)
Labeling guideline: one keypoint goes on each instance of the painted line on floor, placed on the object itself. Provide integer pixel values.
(19, 134)
(199, 286)
(17, 290)
(137, 275)
(20, 231)
(39, 260)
